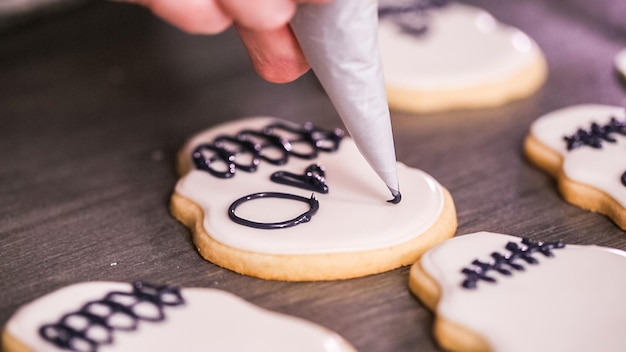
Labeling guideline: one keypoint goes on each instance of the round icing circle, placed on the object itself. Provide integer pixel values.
(353, 216)
(463, 46)
(209, 317)
(572, 301)
(601, 168)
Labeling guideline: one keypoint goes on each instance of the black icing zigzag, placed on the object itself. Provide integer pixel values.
(505, 264)
(596, 135)
(94, 323)
(253, 143)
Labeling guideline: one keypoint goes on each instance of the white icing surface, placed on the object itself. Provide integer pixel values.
(620, 62)
(601, 168)
(210, 320)
(573, 301)
(353, 216)
(464, 46)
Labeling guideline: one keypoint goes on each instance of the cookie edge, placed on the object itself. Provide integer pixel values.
(576, 193)
(12, 344)
(487, 95)
(449, 335)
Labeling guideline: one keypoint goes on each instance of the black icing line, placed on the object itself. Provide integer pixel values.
(396, 198)
(255, 142)
(300, 219)
(415, 6)
(65, 336)
(411, 18)
(313, 179)
(206, 164)
(507, 263)
(596, 135)
(271, 141)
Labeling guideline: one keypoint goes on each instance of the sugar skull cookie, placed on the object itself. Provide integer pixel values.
(275, 200)
(494, 292)
(441, 55)
(111, 316)
(583, 147)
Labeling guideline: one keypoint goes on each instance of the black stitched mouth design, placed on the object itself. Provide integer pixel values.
(506, 264)
(95, 322)
(596, 135)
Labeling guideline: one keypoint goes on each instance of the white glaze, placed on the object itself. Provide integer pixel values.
(620, 62)
(210, 320)
(573, 301)
(463, 47)
(353, 216)
(600, 168)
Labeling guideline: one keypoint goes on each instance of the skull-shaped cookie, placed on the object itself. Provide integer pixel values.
(495, 292)
(112, 316)
(441, 55)
(268, 198)
(583, 147)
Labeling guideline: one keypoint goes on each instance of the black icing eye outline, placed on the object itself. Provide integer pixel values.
(313, 179)
(300, 219)
(206, 163)
(623, 179)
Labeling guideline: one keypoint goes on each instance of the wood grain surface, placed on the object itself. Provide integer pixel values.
(94, 104)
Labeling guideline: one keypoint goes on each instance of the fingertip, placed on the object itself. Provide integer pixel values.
(275, 55)
(282, 72)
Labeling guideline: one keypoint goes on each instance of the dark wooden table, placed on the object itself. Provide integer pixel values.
(95, 102)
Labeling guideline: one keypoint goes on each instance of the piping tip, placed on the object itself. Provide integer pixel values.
(397, 197)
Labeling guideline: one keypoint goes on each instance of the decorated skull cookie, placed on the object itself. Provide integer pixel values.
(584, 148)
(276, 200)
(109, 316)
(494, 292)
(439, 55)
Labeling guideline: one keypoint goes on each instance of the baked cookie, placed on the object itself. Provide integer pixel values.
(494, 292)
(583, 147)
(111, 316)
(442, 55)
(299, 203)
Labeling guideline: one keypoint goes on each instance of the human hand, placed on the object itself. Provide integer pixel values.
(263, 26)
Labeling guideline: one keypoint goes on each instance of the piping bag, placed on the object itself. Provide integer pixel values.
(340, 42)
